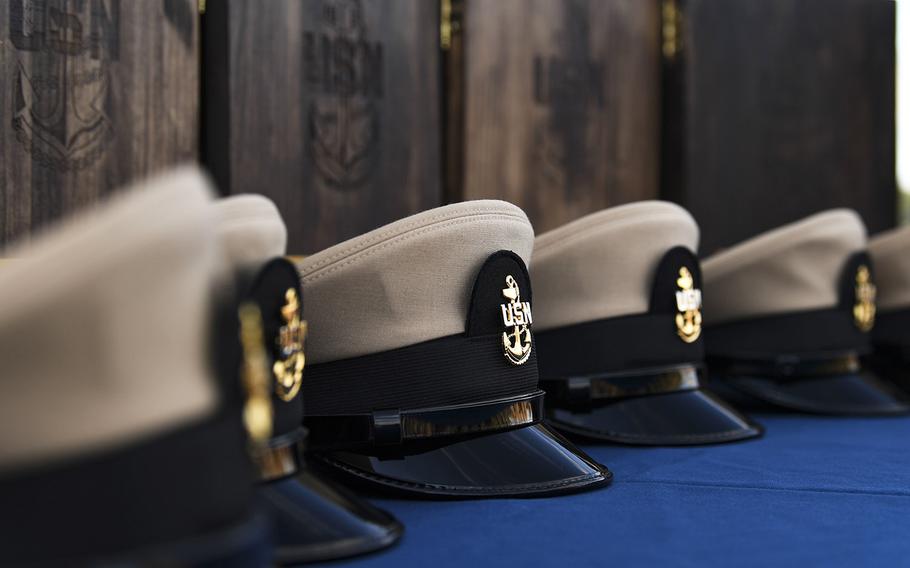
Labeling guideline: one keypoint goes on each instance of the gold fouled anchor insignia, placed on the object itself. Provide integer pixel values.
(864, 309)
(516, 316)
(257, 409)
(688, 302)
(289, 369)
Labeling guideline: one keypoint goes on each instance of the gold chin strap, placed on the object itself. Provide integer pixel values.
(257, 412)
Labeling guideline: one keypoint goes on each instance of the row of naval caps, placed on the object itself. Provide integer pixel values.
(155, 347)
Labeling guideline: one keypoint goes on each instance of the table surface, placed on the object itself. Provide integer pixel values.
(813, 491)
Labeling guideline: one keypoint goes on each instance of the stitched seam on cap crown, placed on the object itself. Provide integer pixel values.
(271, 217)
(571, 236)
(154, 197)
(404, 237)
(360, 255)
(245, 208)
(615, 215)
(404, 227)
(776, 241)
(574, 236)
(715, 271)
(228, 225)
(890, 244)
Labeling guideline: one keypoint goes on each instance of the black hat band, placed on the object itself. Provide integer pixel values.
(482, 380)
(829, 330)
(619, 344)
(822, 331)
(663, 336)
(442, 372)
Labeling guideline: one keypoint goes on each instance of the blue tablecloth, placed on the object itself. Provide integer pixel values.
(814, 491)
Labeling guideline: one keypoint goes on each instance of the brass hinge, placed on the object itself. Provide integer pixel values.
(671, 29)
(201, 4)
(449, 22)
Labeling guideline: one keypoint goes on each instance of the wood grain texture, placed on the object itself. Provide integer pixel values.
(561, 102)
(333, 111)
(94, 94)
(778, 109)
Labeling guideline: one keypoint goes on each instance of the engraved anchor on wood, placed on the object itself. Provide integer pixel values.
(60, 94)
(516, 342)
(688, 302)
(343, 69)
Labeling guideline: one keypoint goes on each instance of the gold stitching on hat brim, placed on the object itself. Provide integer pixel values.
(281, 461)
(596, 389)
(517, 414)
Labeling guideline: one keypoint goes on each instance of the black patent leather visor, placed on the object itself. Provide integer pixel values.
(861, 394)
(838, 386)
(654, 407)
(314, 520)
(529, 461)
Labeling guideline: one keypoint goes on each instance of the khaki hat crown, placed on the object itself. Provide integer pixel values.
(602, 265)
(106, 341)
(407, 282)
(793, 268)
(250, 229)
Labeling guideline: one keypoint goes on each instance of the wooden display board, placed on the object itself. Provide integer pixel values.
(778, 109)
(553, 105)
(328, 107)
(93, 94)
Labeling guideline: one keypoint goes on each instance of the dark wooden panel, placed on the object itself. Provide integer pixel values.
(333, 110)
(561, 105)
(93, 94)
(780, 108)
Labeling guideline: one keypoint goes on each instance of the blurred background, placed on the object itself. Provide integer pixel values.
(352, 113)
(903, 109)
